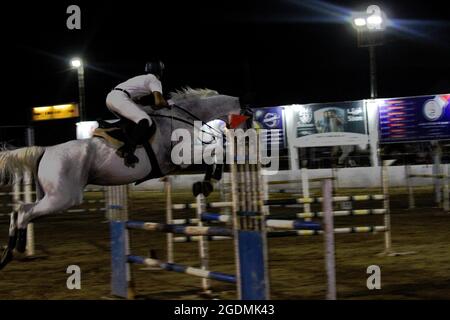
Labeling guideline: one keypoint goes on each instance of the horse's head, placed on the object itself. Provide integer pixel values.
(207, 105)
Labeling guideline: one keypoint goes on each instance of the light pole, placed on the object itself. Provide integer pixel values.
(370, 26)
(77, 63)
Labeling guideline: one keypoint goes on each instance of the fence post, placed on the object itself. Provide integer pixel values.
(328, 219)
(169, 217)
(203, 249)
(386, 205)
(28, 196)
(437, 153)
(305, 188)
(411, 202)
(446, 181)
(117, 206)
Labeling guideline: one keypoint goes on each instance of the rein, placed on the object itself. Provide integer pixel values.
(172, 117)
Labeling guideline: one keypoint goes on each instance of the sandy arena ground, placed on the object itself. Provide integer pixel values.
(296, 264)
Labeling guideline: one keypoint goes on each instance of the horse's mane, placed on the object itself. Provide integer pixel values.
(189, 93)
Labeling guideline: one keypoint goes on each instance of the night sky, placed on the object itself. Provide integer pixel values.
(287, 51)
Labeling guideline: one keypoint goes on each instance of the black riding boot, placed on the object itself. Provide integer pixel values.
(139, 134)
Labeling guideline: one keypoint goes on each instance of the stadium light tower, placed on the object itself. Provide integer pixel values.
(370, 26)
(77, 63)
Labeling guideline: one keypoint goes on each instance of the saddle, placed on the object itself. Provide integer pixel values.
(115, 135)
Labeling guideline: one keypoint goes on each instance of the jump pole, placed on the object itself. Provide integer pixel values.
(440, 183)
(411, 202)
(28, 198)
(169, 217)
(446, 187)
(203, 245)
(386, 206)
(387, 215)
(328, 219)
(437, 154)
(248, 225)
(121, 283)
(305, 188)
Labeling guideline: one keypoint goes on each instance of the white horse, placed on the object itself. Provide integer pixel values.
(62, 171)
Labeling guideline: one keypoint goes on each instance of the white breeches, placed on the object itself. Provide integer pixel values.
(119, 103)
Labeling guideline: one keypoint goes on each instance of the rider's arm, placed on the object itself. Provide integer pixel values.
(156, 88)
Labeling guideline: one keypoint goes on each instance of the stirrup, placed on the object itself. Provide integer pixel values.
(131, 160)
(127, 153)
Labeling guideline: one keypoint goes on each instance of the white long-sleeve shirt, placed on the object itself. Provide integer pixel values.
(140, 86)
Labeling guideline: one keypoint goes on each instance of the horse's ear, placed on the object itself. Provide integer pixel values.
(248, 98)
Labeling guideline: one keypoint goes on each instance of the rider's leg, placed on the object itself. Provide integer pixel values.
(144, 129)
(119, 103)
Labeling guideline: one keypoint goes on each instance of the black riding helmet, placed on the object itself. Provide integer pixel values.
(155, 67)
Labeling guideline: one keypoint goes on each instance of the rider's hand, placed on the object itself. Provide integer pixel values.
(161, 105)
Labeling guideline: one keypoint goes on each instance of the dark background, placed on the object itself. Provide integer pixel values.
(285, 51)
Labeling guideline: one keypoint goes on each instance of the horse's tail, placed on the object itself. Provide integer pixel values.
(13, 163)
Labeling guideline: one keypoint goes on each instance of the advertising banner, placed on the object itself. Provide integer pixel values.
(271, 119)
(63, 111)
(329, 124)
(414, 119)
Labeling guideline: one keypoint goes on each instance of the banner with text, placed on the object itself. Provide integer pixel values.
(329, 124)
(414, 119)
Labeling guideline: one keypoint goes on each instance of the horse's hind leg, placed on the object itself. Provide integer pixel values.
(27, 213)
(47, 205)
(7, 254)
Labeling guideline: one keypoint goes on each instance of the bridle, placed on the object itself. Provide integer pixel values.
(245, 110)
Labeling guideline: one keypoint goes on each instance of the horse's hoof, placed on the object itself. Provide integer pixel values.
(21, 240)
(12, 241)
(207, 188)
(203, 187)
(7, 256)
(197, 188)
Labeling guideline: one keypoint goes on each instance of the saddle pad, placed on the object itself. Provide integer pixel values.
(112, 136)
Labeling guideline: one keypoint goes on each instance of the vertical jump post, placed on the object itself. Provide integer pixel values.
(248, 222)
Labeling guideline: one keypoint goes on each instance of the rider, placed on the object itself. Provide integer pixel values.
(121, 100)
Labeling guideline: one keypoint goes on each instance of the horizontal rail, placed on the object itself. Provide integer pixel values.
(438, 176)
(362, 197)
(293, 191)
(321, 179)
(175, 267)
(179, 229)
(292, 233)
(84, 210)
(342, 213)
(292, 224)
(181, 206)
(270, 223)
(302, 215)
(16, 193)
(284, 182)
(197, 238)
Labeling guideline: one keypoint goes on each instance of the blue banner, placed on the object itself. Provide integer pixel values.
(414, 119)
(271, 119)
